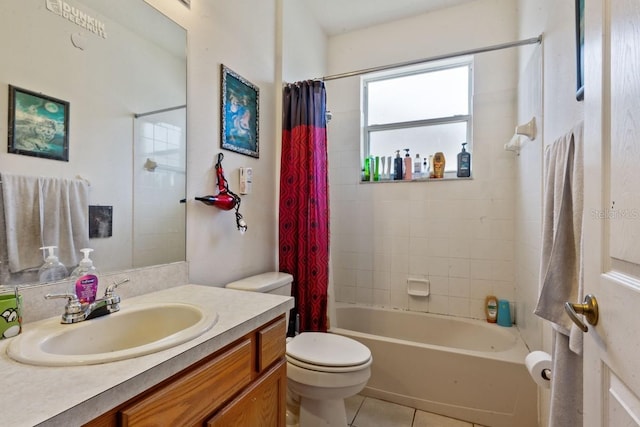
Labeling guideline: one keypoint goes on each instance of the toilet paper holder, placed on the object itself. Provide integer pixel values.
(539, 365)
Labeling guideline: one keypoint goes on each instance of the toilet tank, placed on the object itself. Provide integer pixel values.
(272, 282)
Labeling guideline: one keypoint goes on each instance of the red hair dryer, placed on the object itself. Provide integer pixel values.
(225, 199)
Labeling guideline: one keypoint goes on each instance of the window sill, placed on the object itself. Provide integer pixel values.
(448, 176)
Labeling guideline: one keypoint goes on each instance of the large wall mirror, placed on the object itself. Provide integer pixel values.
(125, 81)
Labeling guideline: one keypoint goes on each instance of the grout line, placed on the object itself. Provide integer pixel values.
(357, 411)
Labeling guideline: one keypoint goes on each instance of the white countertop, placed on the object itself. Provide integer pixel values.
(71, 396)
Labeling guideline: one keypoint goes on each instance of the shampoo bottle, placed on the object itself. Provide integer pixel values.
(438, 165)
(407, 165)
(464, 163)
(397, 166)
(84, 279)
(491, 308)
(52, 270)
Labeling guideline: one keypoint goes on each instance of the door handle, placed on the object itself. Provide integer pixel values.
(589, 310)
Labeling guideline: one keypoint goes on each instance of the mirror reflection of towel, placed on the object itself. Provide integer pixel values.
(42, 211)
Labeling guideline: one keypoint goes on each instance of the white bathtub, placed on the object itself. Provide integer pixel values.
(461, 368)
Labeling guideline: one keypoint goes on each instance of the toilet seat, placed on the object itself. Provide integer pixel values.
(328, 369)
(326, 352)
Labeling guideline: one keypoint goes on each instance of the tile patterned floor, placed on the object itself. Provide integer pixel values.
(369, 412)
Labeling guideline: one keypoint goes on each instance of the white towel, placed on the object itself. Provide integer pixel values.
(561, 261)
(44, 212)
(65, 217)
(21, 196)
(561, 272)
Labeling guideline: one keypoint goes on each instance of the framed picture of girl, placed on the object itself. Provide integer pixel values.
(240, 114)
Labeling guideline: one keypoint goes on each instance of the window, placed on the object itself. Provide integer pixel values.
(424, 109)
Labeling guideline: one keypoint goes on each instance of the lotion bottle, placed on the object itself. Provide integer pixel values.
(407, 165)
(84, 279)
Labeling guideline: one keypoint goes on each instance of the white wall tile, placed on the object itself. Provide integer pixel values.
(418, 303)
(459, 306)
(458, 233)
(439, 304)
(439, 285)
(459, 287)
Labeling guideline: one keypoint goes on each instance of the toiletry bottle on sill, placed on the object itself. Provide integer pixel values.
(376, 169)
(407, 165)
(438, 165)
(397, 164)
(84, 279)
(367, 169)
(464, 163)
(431, 173)
(417, 167)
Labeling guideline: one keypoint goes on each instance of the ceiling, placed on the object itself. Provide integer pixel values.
(341, 16)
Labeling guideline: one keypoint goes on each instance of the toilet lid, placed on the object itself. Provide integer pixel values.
(326, 349)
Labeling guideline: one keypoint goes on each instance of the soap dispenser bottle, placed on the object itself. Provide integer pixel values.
(464, 163)
(397, 166)
(408, 165)
(84, 279)
(52, 270)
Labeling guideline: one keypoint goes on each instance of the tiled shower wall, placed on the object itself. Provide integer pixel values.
(457, 234)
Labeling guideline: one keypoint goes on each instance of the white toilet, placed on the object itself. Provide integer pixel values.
(322, 368)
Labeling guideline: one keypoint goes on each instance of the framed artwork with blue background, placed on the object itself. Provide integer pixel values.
(240, 114)
(38, 125)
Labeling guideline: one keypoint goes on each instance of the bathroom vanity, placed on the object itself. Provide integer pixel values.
(232, 374)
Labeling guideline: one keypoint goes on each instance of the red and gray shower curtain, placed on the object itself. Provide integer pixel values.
(304, 201)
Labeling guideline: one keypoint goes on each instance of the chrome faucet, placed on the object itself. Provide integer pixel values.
(75, 311)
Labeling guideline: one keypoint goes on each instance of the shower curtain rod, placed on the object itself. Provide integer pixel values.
(164, 110)
(532, 40)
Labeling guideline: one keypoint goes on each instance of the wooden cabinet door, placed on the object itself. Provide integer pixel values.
(190, 399)
(261, 405)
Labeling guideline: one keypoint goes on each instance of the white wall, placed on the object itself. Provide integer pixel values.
(458, 234)
(243, 35)
(560, 112)
(304, 47)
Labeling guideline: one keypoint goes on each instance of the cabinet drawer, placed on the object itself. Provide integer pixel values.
(188, 400)
(271, 343)
(260, 405)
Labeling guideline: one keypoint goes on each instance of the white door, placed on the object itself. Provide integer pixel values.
(612, 212)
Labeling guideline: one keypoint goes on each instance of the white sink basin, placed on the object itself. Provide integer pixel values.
(133, 331)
